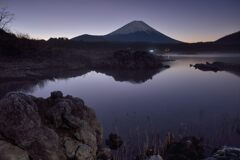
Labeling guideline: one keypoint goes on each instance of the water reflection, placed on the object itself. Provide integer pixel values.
(132, 76)
(179, 99)
(28, 85)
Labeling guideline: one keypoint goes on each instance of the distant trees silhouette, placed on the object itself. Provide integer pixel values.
(6, 17)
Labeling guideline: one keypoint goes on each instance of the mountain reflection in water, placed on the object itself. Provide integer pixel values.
(179, 99)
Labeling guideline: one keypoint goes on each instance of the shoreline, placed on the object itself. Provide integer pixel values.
(76, 132)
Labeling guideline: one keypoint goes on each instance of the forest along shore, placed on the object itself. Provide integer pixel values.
(24, 68)
(25, 62)
(24, 72)
(22, 58)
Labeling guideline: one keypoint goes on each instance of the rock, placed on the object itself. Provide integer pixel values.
(114, 141)
(21, 123)
(155, 157)
(226, 153)
(87, 136)
(207, 67)
(2, 137)
(56, 94)
(210, 158)
(18, 115)
(217, 66)
(188, 148)
(84, 153)
(152, 157)
(71, 121)
(44, 128)
(11, 152)
(150, 151)
(71, 146)
(104, 154)
(166, 66)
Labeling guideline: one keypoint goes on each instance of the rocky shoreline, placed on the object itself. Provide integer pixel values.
(64, 128)
(56, 128)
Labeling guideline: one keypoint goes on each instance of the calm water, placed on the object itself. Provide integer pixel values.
(180, 99)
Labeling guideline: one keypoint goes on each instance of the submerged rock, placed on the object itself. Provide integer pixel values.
(155, 157)
(188, 148)
(45, 128)
(226, 153)
(104, 154)
(114, 141)
(152, 157)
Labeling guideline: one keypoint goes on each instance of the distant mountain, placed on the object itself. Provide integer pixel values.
(89, 38)
(233, 38)
(136, 31)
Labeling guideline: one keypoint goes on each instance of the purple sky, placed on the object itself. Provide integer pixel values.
(185, 20)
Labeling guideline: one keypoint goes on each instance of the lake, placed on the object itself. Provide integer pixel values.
(179, 100)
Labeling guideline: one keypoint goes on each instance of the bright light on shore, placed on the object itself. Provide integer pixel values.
(151, 50)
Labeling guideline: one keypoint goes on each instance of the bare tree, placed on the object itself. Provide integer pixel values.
(6, 17)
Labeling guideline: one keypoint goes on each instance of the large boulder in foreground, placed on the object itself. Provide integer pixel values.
(11, 152)
(55, 128)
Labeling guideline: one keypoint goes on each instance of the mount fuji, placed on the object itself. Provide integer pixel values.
(135, 31)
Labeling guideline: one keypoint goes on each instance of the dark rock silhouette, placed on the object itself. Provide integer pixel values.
(104, 154)
(225, 153)
(188, 148)
(217, 66)
(114, 141)
(57, 128)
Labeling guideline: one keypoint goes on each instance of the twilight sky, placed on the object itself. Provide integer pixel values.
(185, 20)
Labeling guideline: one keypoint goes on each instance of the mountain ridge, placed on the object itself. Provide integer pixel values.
(135, 31)
(134, 26)
(233, 38)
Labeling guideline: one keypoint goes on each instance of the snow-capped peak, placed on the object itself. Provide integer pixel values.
(132, 27)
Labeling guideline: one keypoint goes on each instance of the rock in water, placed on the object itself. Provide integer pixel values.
(37, 128)
(104, 154)
(226, 153)
(188, 148)
(155, 157)
(114, 141)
